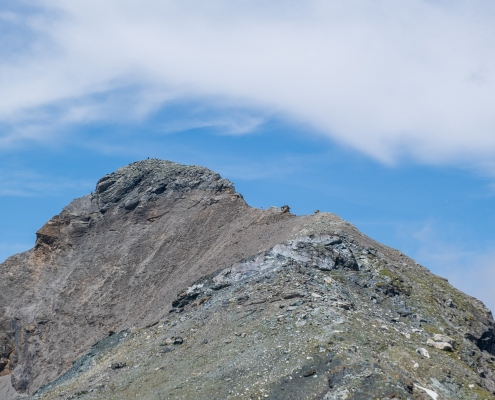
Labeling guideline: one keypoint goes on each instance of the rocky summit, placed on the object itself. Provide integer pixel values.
(165, 284)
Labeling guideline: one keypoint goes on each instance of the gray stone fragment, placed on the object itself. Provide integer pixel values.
(423, 352)
(443, 338)
(178, 340)
(118, 365)
(131, 204)
(439, 345)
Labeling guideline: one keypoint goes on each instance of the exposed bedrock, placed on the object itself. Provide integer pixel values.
(158, 240)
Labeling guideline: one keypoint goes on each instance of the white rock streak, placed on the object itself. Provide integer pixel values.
(431, 393)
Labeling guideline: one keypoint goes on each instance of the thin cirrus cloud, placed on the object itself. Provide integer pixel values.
(391, 79)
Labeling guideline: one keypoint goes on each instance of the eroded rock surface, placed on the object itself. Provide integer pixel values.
(214, 299)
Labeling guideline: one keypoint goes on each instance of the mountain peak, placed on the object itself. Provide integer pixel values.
(165, 275)
(143, 181)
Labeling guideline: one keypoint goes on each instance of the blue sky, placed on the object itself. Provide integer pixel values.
(379, 112)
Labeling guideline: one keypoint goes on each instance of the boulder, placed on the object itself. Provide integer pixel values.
(443, 338)
(439, 345)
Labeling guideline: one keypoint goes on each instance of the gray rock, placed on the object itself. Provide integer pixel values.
(118, 365)
(439, 345)
(131, 204)
(443, 338)
(423, 352)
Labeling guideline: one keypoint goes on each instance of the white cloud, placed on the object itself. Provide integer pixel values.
(392, 79)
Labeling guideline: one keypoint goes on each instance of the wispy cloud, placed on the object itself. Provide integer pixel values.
(391, 79)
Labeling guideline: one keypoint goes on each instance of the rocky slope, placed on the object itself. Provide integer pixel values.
(164, 283)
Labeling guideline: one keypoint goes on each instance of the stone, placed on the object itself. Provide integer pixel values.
(450, 303)
(423, 352)
(310, 372)
(220, 286)
(178, 340)
(328, 265)
(443, 338)
(118, 365)
(430, 392)
(131, 204)
(439, 345)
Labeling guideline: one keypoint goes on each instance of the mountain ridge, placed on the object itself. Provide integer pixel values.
(125, 256)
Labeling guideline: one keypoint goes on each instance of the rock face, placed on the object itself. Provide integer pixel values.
(164, 283)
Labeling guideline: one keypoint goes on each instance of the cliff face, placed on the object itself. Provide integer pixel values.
(263, 302)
